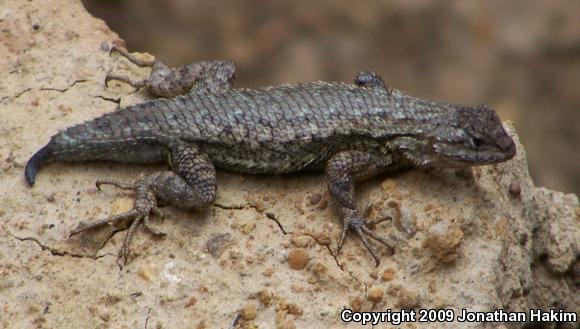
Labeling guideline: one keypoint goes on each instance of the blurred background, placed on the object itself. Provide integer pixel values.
(521, 57)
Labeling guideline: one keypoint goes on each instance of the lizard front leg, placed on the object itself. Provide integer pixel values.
(190, 185)
(342, 171)
(202, 77)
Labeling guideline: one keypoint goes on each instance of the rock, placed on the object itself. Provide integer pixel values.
(444, 240)
(298, 258)
(467, 240)
(375, 294)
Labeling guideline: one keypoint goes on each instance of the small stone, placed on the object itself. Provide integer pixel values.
(388, 185)
(294, 309)
(315, 198)
(298, 258)
(408, 299)
(268, 272)
(35, 27)
(286, 324)
(515, 189)
(260, 206)
(104, 315)
(265, 297)
(322, 238)
(444, 240)
(356, 303)
(51, 198)
(375, 294)
(190, 302)
(217, 244)
(323, 204)
(147, 272)
(249, 312)
(312, 279)
(320, 268)
(105, 46)
(247, 228)
(300, 240)
(388, 274)
(111, 299)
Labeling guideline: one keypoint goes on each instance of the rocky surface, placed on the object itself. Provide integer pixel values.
(481, 239)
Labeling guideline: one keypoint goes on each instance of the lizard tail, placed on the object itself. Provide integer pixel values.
(35, 162)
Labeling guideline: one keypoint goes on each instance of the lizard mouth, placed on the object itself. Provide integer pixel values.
(485, 157)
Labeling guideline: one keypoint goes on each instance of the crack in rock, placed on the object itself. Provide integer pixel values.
(62, 253)
(147, 318)
(116, 100)
(62, 90)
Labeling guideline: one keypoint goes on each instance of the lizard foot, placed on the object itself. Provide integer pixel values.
(133, 59)
(361, 226)
(145, 204)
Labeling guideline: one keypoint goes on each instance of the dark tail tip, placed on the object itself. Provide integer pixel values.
(37, 160)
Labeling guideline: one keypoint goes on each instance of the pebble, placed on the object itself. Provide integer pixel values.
(249, 312)
(356, 303)
(389, 185)
(217, 244)
(515, 189)
(408, 299)
(268, 272)
(375, 294)
(388, 274)
(265, 297)
(105, 46)
(286, 324)
(104, 315)
(190, 302)
(444, 240)
(320, 268)
(147, 272)
(294, 309)
(247, 228)
(322, 238)
(300, 240)
(315, 198)
(298, 258)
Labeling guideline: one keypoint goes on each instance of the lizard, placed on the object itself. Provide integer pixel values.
(352, 131)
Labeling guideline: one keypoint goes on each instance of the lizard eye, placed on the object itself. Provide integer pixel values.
(477, 142)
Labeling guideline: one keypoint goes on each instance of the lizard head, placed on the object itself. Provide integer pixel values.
(472, 136)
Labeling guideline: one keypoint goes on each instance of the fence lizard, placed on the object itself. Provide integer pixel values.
(352, 131)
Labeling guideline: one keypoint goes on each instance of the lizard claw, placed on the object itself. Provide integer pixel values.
(145, 204)
(361, 227)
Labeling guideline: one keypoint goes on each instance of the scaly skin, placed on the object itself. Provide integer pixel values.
(353, 131)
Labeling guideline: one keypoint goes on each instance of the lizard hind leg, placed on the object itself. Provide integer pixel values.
(201, 77)
(191, 185)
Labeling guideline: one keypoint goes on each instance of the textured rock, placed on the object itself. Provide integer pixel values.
(518, 246)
